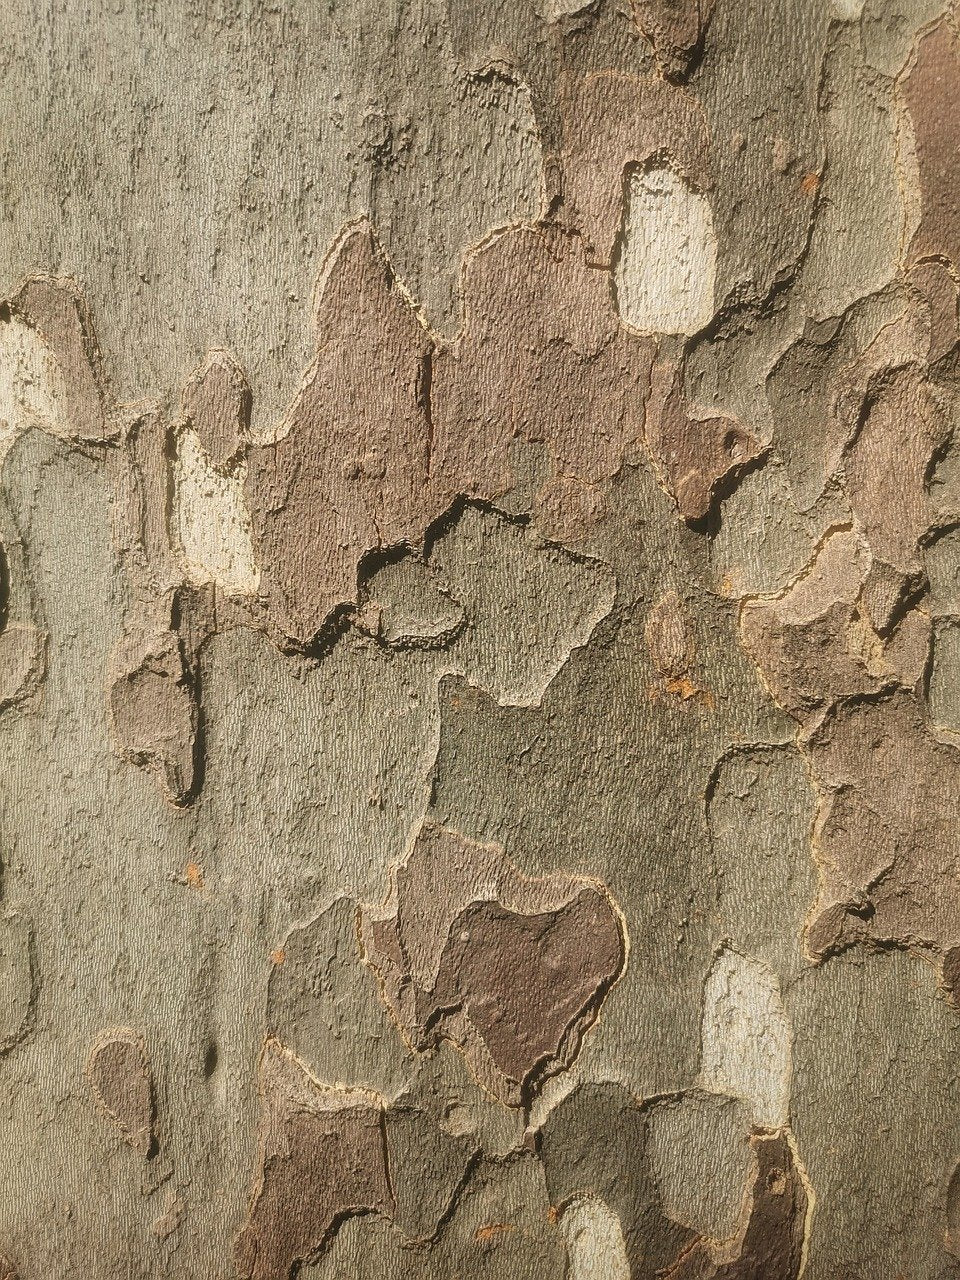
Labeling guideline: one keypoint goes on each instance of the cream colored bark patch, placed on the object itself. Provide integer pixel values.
(31, 384)
(594, 1240)
(554, 10)
(211, 521)
(847, 10)
(667, 267)
(746, 1045)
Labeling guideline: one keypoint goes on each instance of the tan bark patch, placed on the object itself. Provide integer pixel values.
(119, 1071)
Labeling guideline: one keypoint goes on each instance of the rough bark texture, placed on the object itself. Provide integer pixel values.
(480, 640)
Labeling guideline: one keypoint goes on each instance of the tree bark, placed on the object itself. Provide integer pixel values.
(480, 640)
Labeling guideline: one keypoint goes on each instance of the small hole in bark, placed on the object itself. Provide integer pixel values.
(731, 445)
(210, 1059)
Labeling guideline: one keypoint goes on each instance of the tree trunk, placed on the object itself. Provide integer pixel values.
(480, 640)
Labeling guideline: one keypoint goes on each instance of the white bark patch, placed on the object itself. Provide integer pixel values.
(211, 521)
(667, 267)
(847, 10)
(32, 391)
(746, 1044)
(594, 1240)
(554, 10)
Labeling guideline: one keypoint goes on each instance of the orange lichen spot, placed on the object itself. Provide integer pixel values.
(683, 688)
(810, 184)
(194, 875)
(487, 1235)
(553, 1215)
(278, 956)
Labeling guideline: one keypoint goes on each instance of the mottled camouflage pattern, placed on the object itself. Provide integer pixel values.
(480, 640)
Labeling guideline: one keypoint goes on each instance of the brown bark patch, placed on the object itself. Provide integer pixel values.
(886, 827)
(216, 404)
(511, 969)
(903, 426)
(938, 289)
(668, 637)
(154, 712)
(697, 457)
(322, 1157)
(119, 1071)
(805, 663)
(612, 120)
(675, 28)
(932, 90)
(542, 363)
(524, 982)
(771, 1244)
(349, 473)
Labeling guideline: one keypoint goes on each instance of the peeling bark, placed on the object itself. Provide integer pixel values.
(482, 746)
